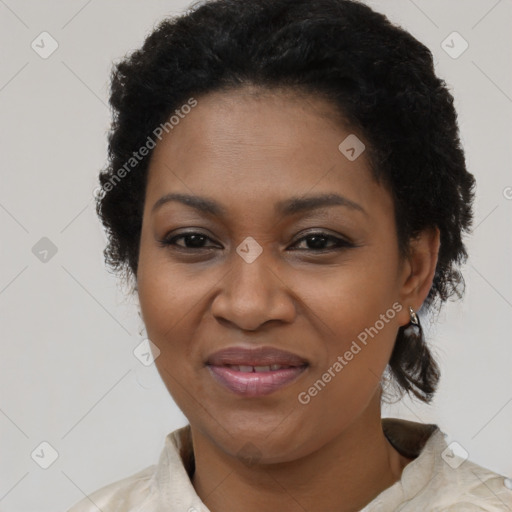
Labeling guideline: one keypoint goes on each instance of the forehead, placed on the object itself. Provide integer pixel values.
(240, 119)
(250, 144)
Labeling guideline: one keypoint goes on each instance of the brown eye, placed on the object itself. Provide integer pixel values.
(318, 241)
(315, 242)
(192, 241)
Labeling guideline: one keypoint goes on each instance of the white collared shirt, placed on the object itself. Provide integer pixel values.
(435, 481)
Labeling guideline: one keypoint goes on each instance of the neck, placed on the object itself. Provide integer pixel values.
(344, 475)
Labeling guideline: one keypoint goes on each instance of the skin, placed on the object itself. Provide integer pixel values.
(247, 150)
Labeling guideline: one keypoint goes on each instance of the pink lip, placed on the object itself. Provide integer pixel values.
(253, 384)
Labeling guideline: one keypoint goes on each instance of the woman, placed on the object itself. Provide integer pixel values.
(286, 187)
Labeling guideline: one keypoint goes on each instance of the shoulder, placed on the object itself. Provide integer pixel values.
(439, 479)
(456, 484)
(471, 487)
(156, 487)
(120, 496)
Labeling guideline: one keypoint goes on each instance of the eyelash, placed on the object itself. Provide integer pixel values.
(340, 243)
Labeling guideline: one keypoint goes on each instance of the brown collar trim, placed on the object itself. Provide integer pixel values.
(407, 437)
(186, 450)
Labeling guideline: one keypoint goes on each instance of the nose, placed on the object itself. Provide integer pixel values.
(253, 294)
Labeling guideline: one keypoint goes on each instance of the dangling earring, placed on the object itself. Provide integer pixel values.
(414, 326)
(414, 316)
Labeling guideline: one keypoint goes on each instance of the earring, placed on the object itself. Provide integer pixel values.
(413, 330)
(414, 316)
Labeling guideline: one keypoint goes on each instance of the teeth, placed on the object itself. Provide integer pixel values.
(249, 369)
(262, 368)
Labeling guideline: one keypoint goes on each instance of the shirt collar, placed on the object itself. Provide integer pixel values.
(176, 465)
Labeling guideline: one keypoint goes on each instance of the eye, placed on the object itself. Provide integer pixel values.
(318, 240)
(193, 240)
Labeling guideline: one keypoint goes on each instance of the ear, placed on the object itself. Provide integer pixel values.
(418, 271)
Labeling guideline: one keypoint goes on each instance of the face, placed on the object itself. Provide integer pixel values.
(291, 267)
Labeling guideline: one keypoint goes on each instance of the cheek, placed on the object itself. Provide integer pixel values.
(169, 305)
(166, 298)
(174, 304)
(352, 296)
(166, 290)
(358, 307)
(341, 387)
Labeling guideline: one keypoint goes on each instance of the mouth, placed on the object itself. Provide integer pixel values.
(257, 369)
(255, 372)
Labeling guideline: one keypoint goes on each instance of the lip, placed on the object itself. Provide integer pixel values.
(255, 383)
(255, 356)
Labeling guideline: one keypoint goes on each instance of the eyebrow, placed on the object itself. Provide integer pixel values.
(287, 207)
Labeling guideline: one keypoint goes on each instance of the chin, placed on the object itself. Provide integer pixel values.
(263, 442)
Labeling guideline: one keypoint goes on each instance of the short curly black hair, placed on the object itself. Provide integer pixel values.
(376, 74)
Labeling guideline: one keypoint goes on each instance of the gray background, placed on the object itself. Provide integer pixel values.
(68, 375)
